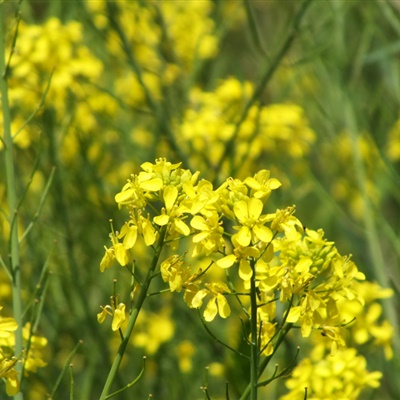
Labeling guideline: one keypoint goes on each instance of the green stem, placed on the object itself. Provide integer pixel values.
(254, 32)
(14, 254)
(254, 353)
(133, 317)
(159, 108)
(263, 83)
(264, 363)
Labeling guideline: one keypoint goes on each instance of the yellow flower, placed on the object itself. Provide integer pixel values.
(285, 221)
(262, 185)
(368, 326)
(243, 255)
(209, 239)
(7, 325)
(185, 352)
(172, 213)
(7, 366)
(108, 259)
(153, 329)
(147, 230)
(8, 372)
(135, 193)
(248, 213)
(117, 312)
(216, 305)
(174, 271)
(342, 376)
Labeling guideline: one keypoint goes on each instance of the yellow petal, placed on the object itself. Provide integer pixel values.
(161, 219)
(130, 237)
(268, 253)
(119, 317)
(107, 260)
(227, 261)
(197, 300)
(263, 233)
(241, 211)
(303, 266)
(170, 195)
(101, 316)
(274, 184)
(306, 326)
(269, 283)
(200, 236)
(148, 233)
(252, 183)
(189, 190)
(8, 324)
(124, 196)
(211, 310)
(243, 237)
(12, 384)
(152, 185)
(199, 223)
(223, 306)
(245, 271)
(181, 227)
(294, 314)
(121, 254)
(255, 207)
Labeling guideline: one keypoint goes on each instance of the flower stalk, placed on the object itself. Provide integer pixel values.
(14, 250)
(133, 317)
(254, 334)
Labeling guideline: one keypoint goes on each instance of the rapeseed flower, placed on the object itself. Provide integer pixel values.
(252, 228)
(217, 304)
(116, 311)
(7, 365)
(343, 376)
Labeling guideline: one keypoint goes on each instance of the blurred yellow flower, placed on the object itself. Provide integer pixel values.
(342, 376)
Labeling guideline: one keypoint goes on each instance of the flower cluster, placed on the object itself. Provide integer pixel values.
(31, 357)
(328, 378)
(230, 229)
(210, 122)
(163, 51)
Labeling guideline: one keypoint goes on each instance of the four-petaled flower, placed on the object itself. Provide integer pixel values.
(252, 228)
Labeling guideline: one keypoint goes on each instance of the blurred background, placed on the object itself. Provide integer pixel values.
(227, 88)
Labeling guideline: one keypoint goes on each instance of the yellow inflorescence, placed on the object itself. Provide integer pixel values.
(321, 290)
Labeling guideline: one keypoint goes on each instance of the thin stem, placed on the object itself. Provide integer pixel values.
(64, 370)
(134, 382)
(217, 340)
(282, 333)
(72, 384)
(255, 34)
(40, 206)
(264, 81)
(254, 351)
(39, 107)
(14, 255)
(133, 317)
(160, 110)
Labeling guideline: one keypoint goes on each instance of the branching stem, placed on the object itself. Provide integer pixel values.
(133, 317)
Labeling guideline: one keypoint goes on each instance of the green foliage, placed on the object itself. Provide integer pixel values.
(304, 94)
